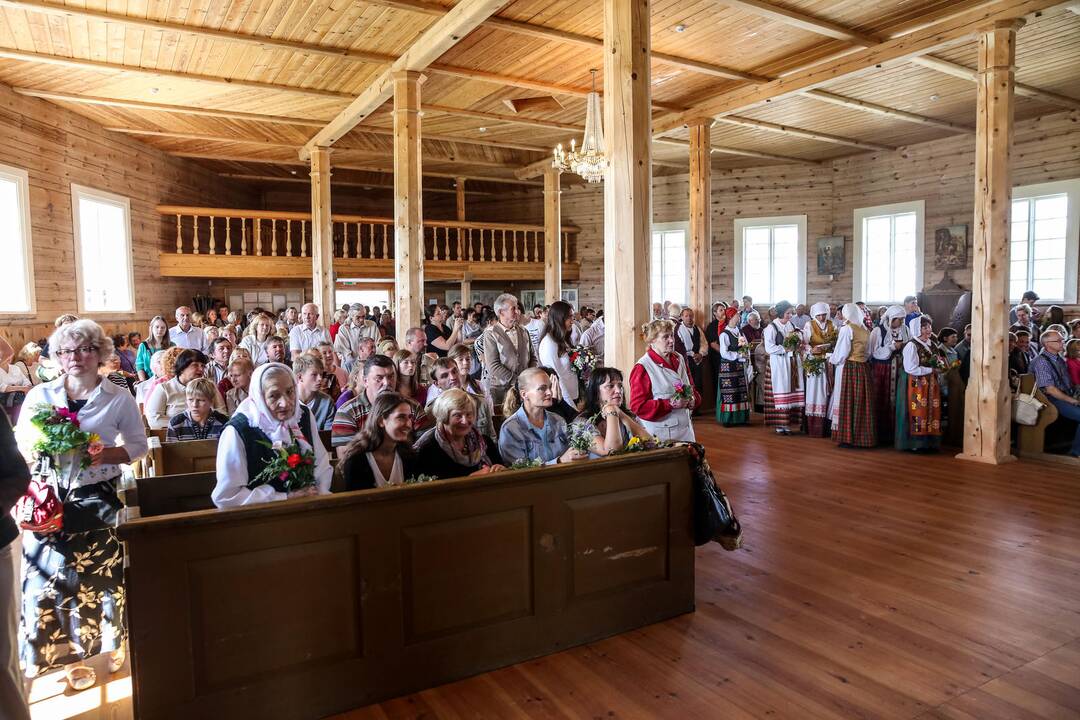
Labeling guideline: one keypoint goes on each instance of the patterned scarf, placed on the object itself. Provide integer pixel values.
(473, 453)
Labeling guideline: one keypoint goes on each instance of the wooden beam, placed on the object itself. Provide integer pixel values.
(965, 73)
(508, 119)
(408, 206)
(322, 234)
(948, 32)
(799, 132)
(740, 151)
(552, 236)
(987, 403)
(802, 21)
(446, 32)
(466, 290)
(459, 205)
(866, 106)
(700, 245)
(535, 169)
(628, 183)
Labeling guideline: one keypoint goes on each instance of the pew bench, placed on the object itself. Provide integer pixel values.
(1031, 440)
(309, 607)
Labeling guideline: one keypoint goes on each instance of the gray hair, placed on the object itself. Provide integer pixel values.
(1057, 330)
(450, 400)
(82, 331)
(503, 301)
(414, 331)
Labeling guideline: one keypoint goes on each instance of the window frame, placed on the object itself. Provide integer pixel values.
(740, 226)
(77, 193)
(21, 178)
(860, 214)
(684, 226)
(1071, 188)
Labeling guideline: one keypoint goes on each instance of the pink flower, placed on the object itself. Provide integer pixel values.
(95, 448)
(283, 476)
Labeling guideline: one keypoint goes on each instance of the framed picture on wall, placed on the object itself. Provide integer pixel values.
(830, 255)
(950, 247)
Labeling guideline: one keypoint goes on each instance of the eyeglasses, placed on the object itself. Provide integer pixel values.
(83, 350)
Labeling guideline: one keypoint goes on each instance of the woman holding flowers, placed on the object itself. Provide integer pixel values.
(610, 425)
(381, 454)
(270, 449)
(784, 395)
(73, 595)
(852, 410)
(661, 393)
(532, 431)
(918, 393)
(821, 338)
(732, 395)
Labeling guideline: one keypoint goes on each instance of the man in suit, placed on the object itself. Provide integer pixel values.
(507, 349)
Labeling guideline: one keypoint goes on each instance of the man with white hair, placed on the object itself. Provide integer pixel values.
(1052, 377)
(186, 335)
(347, 342)
(507, 349)
(307, 334)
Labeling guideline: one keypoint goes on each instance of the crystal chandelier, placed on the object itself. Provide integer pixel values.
(589, 162)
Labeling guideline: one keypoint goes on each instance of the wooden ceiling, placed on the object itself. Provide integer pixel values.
(242, 85)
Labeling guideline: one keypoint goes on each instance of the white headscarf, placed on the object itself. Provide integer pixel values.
(894, 312)
(915, 328)
(254, 408)
(819, 308)
(852, 313)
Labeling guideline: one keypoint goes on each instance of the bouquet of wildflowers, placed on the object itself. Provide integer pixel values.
(421, 478)
(683, 392)
(814, 365)
(636, 444)
(793, 341)
(59, 433)
(526, 463)
(580, 435)
(290, 469)
(583, 360)
(744, 347)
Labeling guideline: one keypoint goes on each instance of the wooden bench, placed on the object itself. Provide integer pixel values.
(187, 456)
(311, 607)
(1031, 439)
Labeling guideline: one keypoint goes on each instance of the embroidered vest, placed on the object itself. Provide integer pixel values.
(258, 454)
(860, 343)
(822, 337)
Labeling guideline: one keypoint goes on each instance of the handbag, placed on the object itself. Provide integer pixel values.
(40, 510)
(713, 516)
(1025, 408)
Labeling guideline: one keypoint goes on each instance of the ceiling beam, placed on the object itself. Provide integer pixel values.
(340, 183)
(803, 21)
(952, 30)
(894, 113)
(965, 73)
(497, 118)
(798, 132)
(727, 150)
(446, 32)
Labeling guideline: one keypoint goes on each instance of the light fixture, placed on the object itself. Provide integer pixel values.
(483, 129)
(680, 28)
(153, 91)
(590, 161)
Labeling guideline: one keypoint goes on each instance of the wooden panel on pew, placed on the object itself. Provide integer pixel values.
(1031, 439)
(315, 606)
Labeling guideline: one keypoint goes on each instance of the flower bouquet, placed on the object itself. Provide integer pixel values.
(793, 341)
(580, 435)
(744, 347)
(290, 469)
(683, 392)
(636, 444)
(814, 365)
(526, 463)
(421, 478)
(583, 360)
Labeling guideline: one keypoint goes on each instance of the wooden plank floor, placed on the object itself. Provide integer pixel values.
(873, 584)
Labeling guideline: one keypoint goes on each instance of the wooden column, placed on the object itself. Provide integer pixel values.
(700, 249)
(466, 290)
(322, 235)
(552, 236)
(408, 210)
(987, 402)
(628, 184)
(459, 186)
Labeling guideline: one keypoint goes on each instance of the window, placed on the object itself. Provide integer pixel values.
(102, 224)
(17, 270)
(888, 263)
(668, 266)
(1043, 242)
(770, 259)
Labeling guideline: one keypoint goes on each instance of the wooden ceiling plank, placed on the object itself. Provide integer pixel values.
(865, 106)
(799, 132)
(446, 32)
(948, 67)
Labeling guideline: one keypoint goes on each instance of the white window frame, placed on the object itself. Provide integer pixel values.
(22, 184)
(1072, 228)
(668, 227)
(77, 193)
(916, 206)
(800, 271)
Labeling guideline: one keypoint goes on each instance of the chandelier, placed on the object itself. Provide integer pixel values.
(590, 161)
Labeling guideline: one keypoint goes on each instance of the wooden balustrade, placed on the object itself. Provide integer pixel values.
(223, 231)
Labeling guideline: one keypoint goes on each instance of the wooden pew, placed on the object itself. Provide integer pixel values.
(1031, 439)
(306, 608)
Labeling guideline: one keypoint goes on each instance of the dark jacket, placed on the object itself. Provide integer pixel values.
(356, 470)
(431, 459)
(14, 479)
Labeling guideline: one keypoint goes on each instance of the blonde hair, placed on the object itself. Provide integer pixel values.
(201, 386)
(449, 401)
(311, 360)
(386, 346)
(1072, 348)
(29, 354)
(655, 328)
(513, 399)
(197, 319)
(168, 360)
(82, 331)
(243, 362)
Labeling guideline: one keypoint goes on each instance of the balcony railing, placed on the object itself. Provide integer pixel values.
(258, 233)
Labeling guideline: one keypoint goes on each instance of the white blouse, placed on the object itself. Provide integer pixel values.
(256, 348)
(568, 379)
(842, 348)
(14, 375)
(169, 399)
(397, 473)
(911, 359)
(727, 352)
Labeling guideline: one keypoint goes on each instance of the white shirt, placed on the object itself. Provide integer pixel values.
(568, 379)
(193, 339)
(302, 338)
(727, 352)
(255, 348)
(534, 327)
(347, 343)
(397, 473)
(911, 359)
(686, 334)
(593, 337)
(169, 399)
(14, 375)
(110, 411)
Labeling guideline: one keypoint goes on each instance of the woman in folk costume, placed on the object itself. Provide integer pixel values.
(820, 334)
(854, 397)
(886, 360)
(784, 396)
(918, 392)
(654, 383)
(732, 395)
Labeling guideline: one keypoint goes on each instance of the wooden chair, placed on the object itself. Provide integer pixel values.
(1031, 439)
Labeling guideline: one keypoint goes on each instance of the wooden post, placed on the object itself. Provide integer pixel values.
(459, 186)
(466, 290)
(987, 401)
(322, 235)
(408, 211)
(628, 184)
(700, 249)
(552, 236)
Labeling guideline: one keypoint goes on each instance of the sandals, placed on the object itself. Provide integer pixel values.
(80, 677)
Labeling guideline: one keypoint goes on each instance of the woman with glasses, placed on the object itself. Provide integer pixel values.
(73, 596)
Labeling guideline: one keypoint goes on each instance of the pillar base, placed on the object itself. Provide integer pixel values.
(986, 460)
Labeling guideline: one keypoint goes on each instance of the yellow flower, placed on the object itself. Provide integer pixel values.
(95, 438)
(634, 441)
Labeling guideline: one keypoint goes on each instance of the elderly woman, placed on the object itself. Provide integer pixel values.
(240, 370)
(611, 424)
(169, 398)
(918, 392)
(157, 339)
(454, 447)
(784, 395)
(272, 415)
(200, 421)
(261, 330)
(654, 382)
(532, 430)
(381, 454)
(64, 570)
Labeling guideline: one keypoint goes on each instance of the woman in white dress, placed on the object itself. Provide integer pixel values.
(784, 392)
(820, 334)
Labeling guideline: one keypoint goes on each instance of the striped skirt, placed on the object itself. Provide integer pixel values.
(775, 417)
(856, 424)
(732, 397)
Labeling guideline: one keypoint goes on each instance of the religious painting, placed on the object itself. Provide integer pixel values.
(950, 247)
(830, 255)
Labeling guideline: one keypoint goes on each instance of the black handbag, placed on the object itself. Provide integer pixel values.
(714, 519)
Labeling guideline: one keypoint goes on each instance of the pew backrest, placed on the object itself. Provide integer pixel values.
(1032, 438)
(171, 494)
